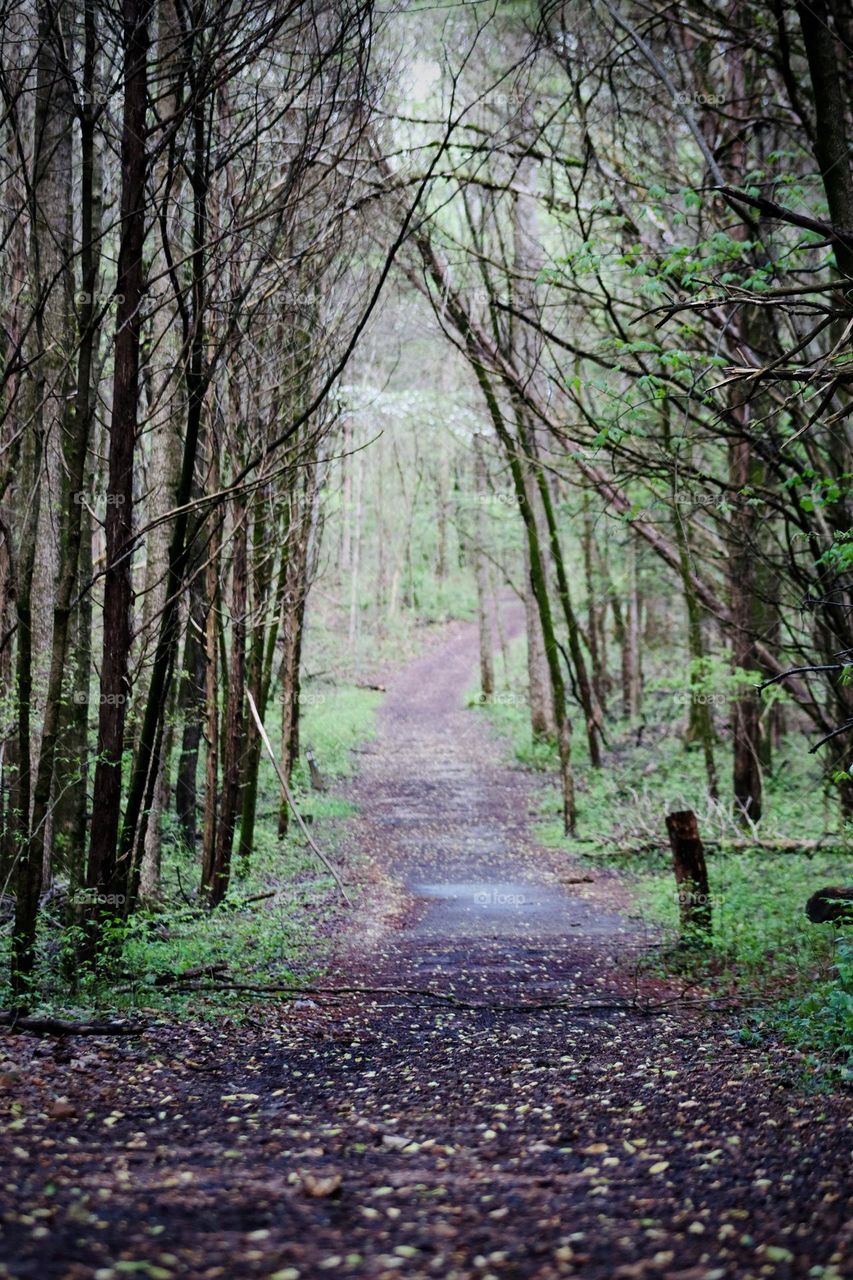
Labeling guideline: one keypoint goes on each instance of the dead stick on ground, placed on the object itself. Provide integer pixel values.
(60, 1027)
(289, 797)
(565, 1003)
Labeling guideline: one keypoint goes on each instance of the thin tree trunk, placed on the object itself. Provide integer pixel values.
(216, 886)
(191, 713)
(487, 673)
(53, 287)
(197, 375)
(831, 112)
(499, 623)
(355, 564)
(540, 590)
(105, 871)
(701, 719)
(597, 642)
(346, 499)
(211, 694)
(745, 707)
(539, 696)
(631, 678)
(292, 622)
(589, 704)
(262, 577)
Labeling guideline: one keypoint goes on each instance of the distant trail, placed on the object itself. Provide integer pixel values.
(390, 1136)
(449, 820)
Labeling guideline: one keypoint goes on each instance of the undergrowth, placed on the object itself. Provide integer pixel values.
(762, 945)
(275, 924)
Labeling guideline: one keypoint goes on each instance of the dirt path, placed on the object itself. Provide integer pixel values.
(404, 1136)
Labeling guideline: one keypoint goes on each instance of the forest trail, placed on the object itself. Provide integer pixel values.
(487, 1131)
(449, 821)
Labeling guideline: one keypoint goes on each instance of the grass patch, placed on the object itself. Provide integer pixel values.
(762, 943)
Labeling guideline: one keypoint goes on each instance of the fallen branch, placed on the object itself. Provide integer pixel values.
(245, 902)
(62, 1027)
(289, 797)
(203, 971)
(458, 1002)
(443, 997)
(647, 844)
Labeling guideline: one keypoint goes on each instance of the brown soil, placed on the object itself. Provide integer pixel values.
(548, 1112)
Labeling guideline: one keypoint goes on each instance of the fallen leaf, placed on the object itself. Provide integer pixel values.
(320, 1188)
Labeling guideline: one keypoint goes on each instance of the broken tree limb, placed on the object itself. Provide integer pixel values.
(63, 1027)
(203, 971)
(566, 1003)
(289, 797)
(647, 844)
(247, 902)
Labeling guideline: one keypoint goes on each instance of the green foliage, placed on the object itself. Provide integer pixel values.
(762, 940)
(279, 938)
(823, 1019)
(840, 555)
(336, 719)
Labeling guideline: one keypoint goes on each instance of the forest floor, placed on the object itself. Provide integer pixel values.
(554, 1110)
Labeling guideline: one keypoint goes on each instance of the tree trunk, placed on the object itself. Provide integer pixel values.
(540, 591)
(539, 697)
(293, 611)
(487, 672)
(831, 108)
(691, 875)
(631, 678)
(106, 873)
(191, 713)
(745, 707)
(53, 287)
(597, 641)
(216, 886)
(589, 704)
(211, 694)
(264, 631)
(355, 563)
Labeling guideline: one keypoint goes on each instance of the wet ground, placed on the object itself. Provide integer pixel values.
(503, 1093)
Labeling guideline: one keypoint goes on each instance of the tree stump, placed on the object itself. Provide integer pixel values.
(834, 904)
(691, 874)
(318, 782)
